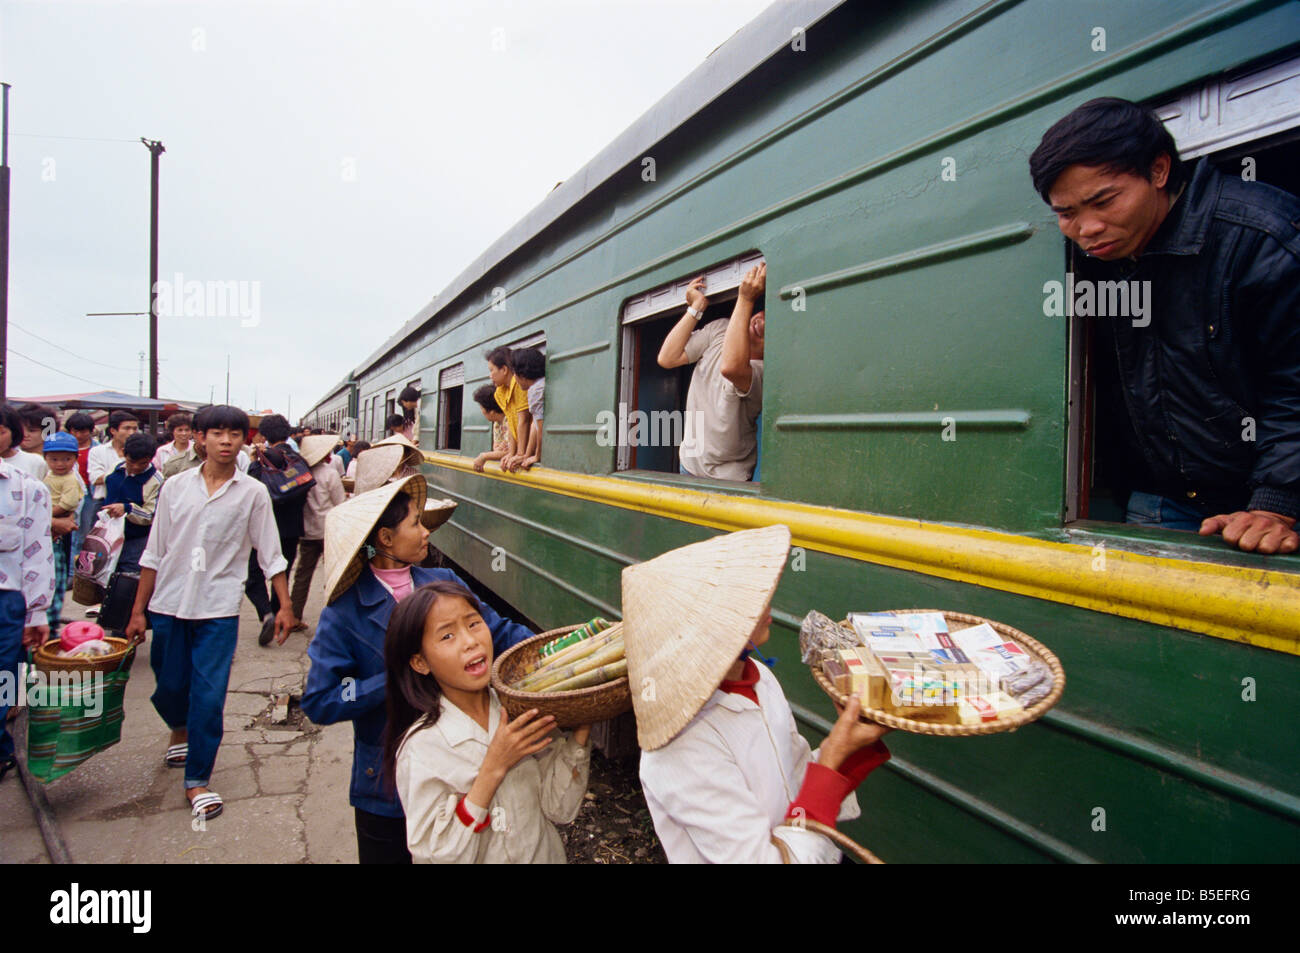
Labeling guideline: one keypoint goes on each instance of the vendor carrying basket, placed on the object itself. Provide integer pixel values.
(74, 706)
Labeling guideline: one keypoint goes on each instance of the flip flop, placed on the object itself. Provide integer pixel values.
(202, 802)
(176, 755)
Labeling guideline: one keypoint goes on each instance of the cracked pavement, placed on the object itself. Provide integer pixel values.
(284, 785)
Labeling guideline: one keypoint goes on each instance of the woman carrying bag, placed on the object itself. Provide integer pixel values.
(373, 546)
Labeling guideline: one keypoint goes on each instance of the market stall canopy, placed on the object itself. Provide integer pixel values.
(104, 400)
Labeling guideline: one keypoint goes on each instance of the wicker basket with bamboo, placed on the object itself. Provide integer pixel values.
(581, 684)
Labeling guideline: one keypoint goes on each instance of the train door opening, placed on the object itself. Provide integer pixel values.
(1247, 123)
(651, 412)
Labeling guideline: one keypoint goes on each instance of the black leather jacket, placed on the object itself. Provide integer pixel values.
(1219, 362)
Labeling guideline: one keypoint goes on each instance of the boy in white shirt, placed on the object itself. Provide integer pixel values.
(103, 459)
(191, 580)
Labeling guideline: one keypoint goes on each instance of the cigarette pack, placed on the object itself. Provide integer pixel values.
(979, 709)
(863, 675)
(998, 657)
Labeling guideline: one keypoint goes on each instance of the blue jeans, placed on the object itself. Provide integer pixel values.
(1148, 509)
(13, 616)
(191, 660)
(132, 549)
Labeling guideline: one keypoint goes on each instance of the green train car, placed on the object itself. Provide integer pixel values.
(925, 432)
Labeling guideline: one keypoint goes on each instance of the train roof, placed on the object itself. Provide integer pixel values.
(741, 54)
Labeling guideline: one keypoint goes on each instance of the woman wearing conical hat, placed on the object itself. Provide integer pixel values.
(373, 546)
(724, 770)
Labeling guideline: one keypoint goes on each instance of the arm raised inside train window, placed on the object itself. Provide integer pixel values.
(673, 351)
(743, 341)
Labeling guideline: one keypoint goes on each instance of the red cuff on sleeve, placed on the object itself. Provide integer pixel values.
(824, 789)
(466, 818)
(862, 762)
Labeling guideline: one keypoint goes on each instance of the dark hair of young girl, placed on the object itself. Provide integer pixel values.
(398, 509)
(412, 697)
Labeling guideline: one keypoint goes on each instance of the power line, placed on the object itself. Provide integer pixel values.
(32, 135)
(111, 367)
(63, 372)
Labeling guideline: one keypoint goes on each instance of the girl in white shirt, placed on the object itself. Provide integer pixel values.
(475, 786)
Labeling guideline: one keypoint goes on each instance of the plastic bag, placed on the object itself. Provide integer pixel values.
(100, 549)
(820, 638)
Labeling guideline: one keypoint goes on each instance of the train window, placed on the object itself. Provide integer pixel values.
(652, 400)
(451, 409)
(1246, 123)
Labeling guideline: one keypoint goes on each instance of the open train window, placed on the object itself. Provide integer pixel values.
(451, 396)
(651, 413)
(1246, 123)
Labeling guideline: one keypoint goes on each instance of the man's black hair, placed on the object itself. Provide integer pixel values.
(35, 416)
(221, 417)
(528, 363)
(274, 428)
(1115, 134)
(395, 422)
(500, 356)
(409, 393)
(79, 421)
(119, 417)
(486, 398)
(140, 446)
(11, 421)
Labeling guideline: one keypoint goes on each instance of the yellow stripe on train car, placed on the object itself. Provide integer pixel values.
(1259, 607)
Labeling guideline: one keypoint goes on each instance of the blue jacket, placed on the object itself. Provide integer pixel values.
(349, 645)
(139, 494)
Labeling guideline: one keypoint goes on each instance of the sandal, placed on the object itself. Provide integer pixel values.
(176, 755)
(201, 802)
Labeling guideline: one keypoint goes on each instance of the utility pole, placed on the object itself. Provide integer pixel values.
(140, 392)
(155, 150)
(227, 378)
(4, 246)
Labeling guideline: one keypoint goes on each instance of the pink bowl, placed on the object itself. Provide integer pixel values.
(74, 633)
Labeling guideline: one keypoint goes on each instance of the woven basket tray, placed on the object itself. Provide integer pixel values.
(86, 593)
(582, 706)
(956, 622)
(47, 658)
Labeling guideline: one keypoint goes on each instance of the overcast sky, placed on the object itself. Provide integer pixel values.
(343, 161)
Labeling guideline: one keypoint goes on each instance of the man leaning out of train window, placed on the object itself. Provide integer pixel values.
(726, 392)
(726, 775)
(1194, 277)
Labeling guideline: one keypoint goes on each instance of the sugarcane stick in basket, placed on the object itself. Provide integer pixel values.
(596, 676)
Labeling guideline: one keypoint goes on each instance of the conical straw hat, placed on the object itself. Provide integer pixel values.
(687, 616)
(378, 465)
(348, 525)
(414, 455)
(437, 512)
(317, 447)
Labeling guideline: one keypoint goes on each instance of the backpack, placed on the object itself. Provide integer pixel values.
(289, 483)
